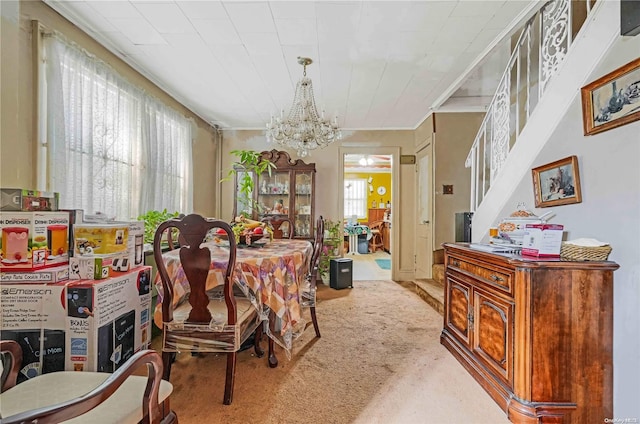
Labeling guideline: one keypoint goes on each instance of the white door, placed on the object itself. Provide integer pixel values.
(424, 237)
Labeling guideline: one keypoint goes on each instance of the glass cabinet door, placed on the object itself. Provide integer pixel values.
(273, 194)
(303, 204)
(244, 203)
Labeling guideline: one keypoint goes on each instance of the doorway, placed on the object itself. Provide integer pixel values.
(369, 194)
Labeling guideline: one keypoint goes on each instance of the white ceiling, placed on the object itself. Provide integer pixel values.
(377, 64)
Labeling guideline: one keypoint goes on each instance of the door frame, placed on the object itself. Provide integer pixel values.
(395, 192)
(426, 147)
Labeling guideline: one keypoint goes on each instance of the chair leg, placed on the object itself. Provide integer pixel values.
(273, 359)
(257, 339)
(167, 360)
(315, 321)
(231, 376)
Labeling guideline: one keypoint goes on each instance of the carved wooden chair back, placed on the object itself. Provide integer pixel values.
(216, 320)
(282, 227)
(377, 241)
(94, 397)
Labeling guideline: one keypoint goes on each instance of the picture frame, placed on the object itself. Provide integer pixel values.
(557, 183)
(612, 100)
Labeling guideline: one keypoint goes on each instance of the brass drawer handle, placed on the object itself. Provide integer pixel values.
(455, 263)
(496, 278)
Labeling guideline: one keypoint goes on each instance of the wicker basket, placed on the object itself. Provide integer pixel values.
(582, 253)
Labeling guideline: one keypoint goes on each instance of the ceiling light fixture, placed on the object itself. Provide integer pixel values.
(303, 129)
(365, 161)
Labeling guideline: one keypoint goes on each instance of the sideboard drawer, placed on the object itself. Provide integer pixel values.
(498, 278)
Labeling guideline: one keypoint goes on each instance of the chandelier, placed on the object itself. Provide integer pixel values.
(303, 129)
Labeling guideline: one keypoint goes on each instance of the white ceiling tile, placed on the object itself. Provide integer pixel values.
(122, 43)
(165, 17)
(138, 30)
(209, 9)
(293, 9)
(264, 43)
(251, 16)
(297, 31)
(425, 13)
(470, 8)
(115, 9)
(186, 41)
(216, 31)
(338, 17)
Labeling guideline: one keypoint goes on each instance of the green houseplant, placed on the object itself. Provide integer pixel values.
(330, 246)
(249, 164)
(152, 219)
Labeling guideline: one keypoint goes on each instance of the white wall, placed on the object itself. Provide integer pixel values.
(610, 211)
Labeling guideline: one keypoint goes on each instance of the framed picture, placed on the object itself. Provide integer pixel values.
(612, 100)
(557, 183)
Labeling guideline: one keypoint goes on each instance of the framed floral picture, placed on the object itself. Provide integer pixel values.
(612, 100)
(557, 183)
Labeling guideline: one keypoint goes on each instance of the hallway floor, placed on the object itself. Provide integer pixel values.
(366, 268)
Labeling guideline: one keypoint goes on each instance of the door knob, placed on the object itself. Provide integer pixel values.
(425, 222)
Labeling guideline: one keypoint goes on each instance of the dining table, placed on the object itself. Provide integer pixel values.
(269, 273)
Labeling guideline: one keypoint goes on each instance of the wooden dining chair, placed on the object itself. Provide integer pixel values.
(376, 242)
(309, 288)
(216, 321)
(282, 227)
(92, 397)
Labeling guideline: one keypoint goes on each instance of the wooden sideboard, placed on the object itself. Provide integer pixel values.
(536, 334)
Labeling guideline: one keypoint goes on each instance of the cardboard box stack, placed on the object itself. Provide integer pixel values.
(69, 307)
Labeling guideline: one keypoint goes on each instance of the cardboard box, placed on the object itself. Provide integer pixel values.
(97, 267)
(542, 240)
(135, 244)
(16, 199)
(35, 315)
(45, 275)
(100, 239)
(76, 217)
(32, 240)
(108, 320)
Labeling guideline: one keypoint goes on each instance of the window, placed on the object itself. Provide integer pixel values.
(108, 146)
(355, 198)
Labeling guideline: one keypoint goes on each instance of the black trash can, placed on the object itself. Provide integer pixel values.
(340, 273)
(363, 244)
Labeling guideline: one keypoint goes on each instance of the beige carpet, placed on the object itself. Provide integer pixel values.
(379, 361)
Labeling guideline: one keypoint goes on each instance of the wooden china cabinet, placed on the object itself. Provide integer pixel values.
(536, 334)
(289, 192)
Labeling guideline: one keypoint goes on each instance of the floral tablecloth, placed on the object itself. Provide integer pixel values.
(270, 276)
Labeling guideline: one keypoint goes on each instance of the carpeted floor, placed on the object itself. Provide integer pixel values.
(375, 363)
(384, 263)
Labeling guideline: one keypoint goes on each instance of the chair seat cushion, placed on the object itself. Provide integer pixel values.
(215, 336)
(124, 406)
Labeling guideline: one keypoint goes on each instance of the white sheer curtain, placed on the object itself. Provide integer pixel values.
(111, 147)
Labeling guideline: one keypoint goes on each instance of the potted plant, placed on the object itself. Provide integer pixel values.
(249, 164)
(152, 219)
(330, 247)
